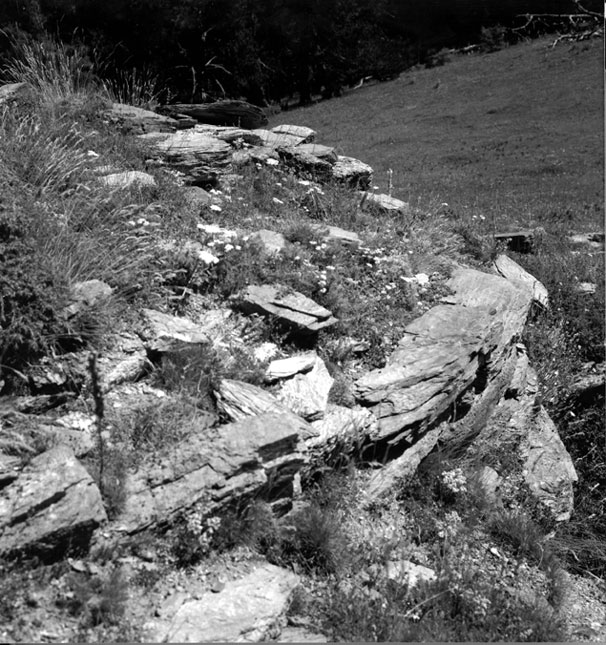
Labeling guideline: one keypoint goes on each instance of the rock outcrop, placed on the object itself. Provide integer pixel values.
(216, 467)
(52, 504)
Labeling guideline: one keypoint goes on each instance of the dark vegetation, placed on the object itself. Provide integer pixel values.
(474, 169)
(267, 51)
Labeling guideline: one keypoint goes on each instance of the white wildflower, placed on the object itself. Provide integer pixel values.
(216, 208)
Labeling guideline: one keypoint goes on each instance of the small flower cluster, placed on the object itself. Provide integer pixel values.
(454, 481)
(449, 526)
(203, 528)
(372, 257)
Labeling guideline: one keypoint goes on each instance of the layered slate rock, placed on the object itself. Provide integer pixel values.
(231, 135)
(307, 135)
(135, 120)
(165, 332)
(547, 467)
(190, 149)
(286, 305)
(249, 610)
(444, 352)
(215, 466)
(53, 504)
(340, 433)
(227, 113)
(238, 400)
(520, 427)
(326, 153)
(270, 139)
(286, 367)
(305, 163)
(511, 270)
(307, 394)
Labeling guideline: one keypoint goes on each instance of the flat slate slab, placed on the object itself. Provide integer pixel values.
(287, 305)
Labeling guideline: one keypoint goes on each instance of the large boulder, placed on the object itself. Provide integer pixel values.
(52, 506)
(250, 609)
(216, 467)
(450, 349)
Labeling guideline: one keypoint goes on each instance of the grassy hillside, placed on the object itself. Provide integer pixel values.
(516, 134)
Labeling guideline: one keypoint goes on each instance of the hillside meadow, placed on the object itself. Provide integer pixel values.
(515, 136)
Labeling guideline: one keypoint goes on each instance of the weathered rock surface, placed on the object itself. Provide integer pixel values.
(300, 635)
(9, 469)
(547, 467)
(326, 153)
(307, 394)
(270, 241)
(197, 198)
(341, 432)
(511, 270)
(287, 367)
(239, 400)
(287, 305)
(385, 203)
(255, 155)
(231, 135)
(86, 294)
(53, 504)
(166, 333)
(226, 113)
(189, 149)
(135, 120)
(15, 92)
(128, 179)
(248, 610)
(215, 466)
(275, 140)
(305, 163)
(352, 172)
(306, 134)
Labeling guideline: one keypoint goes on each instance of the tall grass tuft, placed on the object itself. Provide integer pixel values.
(55, 70)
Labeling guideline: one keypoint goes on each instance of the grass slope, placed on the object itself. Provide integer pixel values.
(515, 135)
